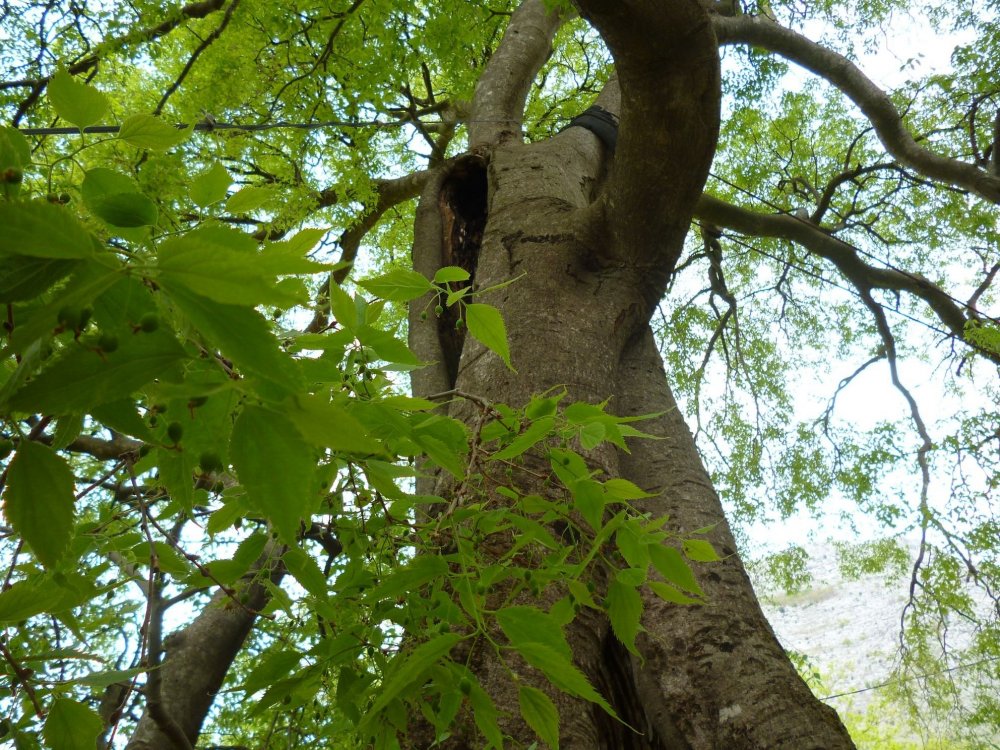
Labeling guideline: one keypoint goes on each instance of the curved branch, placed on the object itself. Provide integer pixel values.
(390, 193)
(667, 61)
(498, 104)
(870, 99)
(862, 275)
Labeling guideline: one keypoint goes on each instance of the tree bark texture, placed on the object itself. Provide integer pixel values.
(593, 239)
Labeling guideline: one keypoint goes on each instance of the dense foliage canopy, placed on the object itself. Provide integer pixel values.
(206, 214)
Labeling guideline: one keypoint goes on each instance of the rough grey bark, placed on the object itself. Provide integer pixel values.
(594, 242)
(197, 657)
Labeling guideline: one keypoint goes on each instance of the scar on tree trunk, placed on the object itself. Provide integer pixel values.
(463, 205)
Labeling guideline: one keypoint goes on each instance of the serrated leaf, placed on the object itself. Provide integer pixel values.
(276, 466)
(590, 500)
(485, 714)
(15, 151)
(591, 435)
(700, 551)
(109, 677)
(624, 605)
(42, 230)
(563, 673)
(623, 489)
(306, 571)
(451, 273)
(148, 131)
(524, 624)
(23, 277)
(125, 209)
(71, 726)
(270, 669)
(81, 379)
(330, 426)
(670, 594)
(248, 199)
(671, 565)
(408, 668)
(76, 102)
(241, 333)
(399, 285)
(538, 431)
(29, 598)
(486, 325)
(210, 186)
(218, 264)
(39, 501)
(540, 713)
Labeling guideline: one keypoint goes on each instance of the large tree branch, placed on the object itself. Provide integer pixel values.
(861, 275)
(498, 104)
(870, 99)
(667, 62)
(199, 655)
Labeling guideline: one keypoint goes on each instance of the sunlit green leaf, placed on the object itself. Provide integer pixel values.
(540, 713)
(276, 465)
(210, 186)
(76, 102)
(486, 324)
(147, 131)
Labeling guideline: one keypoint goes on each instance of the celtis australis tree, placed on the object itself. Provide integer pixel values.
(231, 230)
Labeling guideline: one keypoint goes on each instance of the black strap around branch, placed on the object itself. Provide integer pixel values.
(601, 123)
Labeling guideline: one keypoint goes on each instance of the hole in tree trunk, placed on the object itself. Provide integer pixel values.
(463, 204)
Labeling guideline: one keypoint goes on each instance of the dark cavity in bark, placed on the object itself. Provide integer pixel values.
(464, 208)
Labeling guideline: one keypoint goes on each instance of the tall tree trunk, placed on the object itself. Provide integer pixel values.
(592, 240)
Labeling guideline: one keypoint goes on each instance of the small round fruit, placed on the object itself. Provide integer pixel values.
(459, 323)
(107, 343)
(149, 322)
(438, 310)
(465, 686)
(175, 431)
(209, 462)
(69, 317)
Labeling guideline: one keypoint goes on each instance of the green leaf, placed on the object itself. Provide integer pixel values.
(591, 435)
(484, 711)
(451, 273)
(15, 151)
(23, 277)
(700, 551)
(523, 624)
(590, 500)
(538, 431)
(116, 199)
(241, 333)
(408, 668)
(624, 605)
(306, 571)
(623, 489)
(71, 726)
(211, 264)
(330, 426)
(43, 230)
(562, 673)
(248, 199)
(486, 325)
(29, 598)
(125, 209)
(540, 713)
(81, 379)
(210, 186)
(670, 594)
(270, 669)
(398, 285)
(669, 564)
(39, 501)
(276, 466)
(148, 131)
(76, 102)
